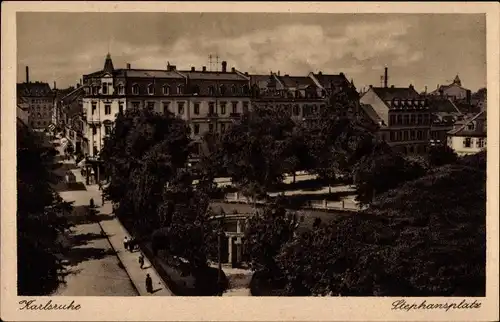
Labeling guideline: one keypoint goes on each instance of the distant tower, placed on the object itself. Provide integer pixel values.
(457, 81)
(108, 64)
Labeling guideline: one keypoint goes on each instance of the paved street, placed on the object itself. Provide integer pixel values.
(102, 266)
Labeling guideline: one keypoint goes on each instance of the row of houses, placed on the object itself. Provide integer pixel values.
(211, 100)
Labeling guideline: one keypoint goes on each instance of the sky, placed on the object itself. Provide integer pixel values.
(419, 49)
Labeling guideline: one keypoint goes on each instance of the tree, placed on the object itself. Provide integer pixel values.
(425, 238)
(440, 155)
(41, 217)
(267, 231)
(379, 172)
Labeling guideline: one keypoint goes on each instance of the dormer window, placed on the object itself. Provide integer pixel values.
(396, 102)
(196, 89)
(211, 90)
(222, 90)
(234, 90)
(151, 89)
(180, 89)
(105, 88)
(471, 126)
(135, 89)
(166, 90)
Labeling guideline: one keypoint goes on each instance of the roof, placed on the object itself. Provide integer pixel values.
(325, 80)
(388, 93)
(442, 106)
(259, 80)
(299, 82)
(34, 89)
(213, 75)
(479, 130)
(372, 114)
(146, 73)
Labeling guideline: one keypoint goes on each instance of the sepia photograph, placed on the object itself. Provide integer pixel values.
(251, 154)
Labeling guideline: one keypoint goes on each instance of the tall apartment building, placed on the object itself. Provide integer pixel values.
(403, 116)
(37, 99)
(208, 100)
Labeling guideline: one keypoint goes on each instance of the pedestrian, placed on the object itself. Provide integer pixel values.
(125, 242)
(149, 284)
(141, 260)
(102, 196)
(91, 203)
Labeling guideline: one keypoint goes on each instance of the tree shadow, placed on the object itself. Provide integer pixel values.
(75, 256)
(81, 216)
(154, 291)
(84, 239)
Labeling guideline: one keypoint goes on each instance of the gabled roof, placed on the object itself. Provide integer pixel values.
(34, 89)
(371, 113)
(479, 130)
(260, 80)
(439, 105)
(298, 82)
(327, 80)
(389, 93)
(147, 73)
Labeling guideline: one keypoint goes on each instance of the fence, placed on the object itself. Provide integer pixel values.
(345, 204)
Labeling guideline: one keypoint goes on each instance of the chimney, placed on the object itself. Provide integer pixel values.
(171, 67)
(371, 86)
(233, 70)
(392, 86)
(385, 78)
(27, 74)
(55, 87)
(425, 89)
(193, 69)
(246, 73)
(224, 66)
(204, 68)
(320, 73)
(411, 86)
(278, 73)
(128, 66)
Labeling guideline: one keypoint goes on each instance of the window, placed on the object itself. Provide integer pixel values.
(245, 107)
(95, 90)
(412, 119)
(222, 108)
(412, 135)
(196, 89)
(210, 128)
(405, 135)
(121, 89)
(400, 120)
(196, 129)
(94, 130)
(136, 105)
(470, 126)
(222, 90)
(480, 143)
(392, 120)
(211, 90)
(419, 119)
(107, 109)
(467, 142)
(211, 108)
(296, 110)
(400, 136)
(151, 89)
(406, 119)
(105, 88)
(94, 107)
(235, 107)
(120, 107)
(392, 136)
(151, 106)
(180, 107)
(419, 135)
(135, 89)
(234, 91)
(197, 108)
(223, 127)
(314, 109)
(180, 89)
(165, 107)
(166, 90)
(107, 129)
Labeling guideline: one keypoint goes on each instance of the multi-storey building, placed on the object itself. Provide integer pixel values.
(37, 99)
(402, 115)
(207, 100)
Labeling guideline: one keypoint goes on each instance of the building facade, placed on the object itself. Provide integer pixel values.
(402, 115)
(37, 99)
(469, 135)
(207, 100)
(453, 91)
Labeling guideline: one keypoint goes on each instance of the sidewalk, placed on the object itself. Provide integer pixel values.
(116, 233)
